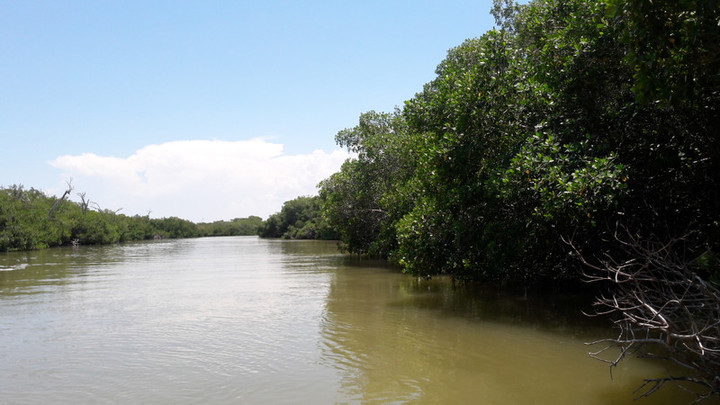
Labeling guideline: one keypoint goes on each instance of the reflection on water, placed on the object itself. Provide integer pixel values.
(245, 320)
(397, 338)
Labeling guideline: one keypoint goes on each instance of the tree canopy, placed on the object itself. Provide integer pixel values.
(567, 118)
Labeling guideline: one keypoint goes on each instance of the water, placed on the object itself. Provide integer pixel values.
(246, 320)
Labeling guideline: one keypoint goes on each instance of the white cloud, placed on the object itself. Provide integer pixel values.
(200, 180)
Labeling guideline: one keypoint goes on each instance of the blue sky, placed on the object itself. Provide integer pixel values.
(209, 109)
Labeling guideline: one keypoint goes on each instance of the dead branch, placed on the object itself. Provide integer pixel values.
(663, 308)
(56, 205)
(84, 202)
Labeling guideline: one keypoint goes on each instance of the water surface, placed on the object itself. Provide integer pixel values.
(246, 320)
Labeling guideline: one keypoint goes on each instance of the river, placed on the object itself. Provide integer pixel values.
(247, 320)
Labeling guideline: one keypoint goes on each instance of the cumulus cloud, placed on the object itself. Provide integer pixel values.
(200, 180)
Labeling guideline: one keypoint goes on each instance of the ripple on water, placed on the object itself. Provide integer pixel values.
(243, 320)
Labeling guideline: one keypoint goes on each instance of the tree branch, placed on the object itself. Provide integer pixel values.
(657, 292)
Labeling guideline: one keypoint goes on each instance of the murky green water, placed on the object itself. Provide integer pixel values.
(245, 320)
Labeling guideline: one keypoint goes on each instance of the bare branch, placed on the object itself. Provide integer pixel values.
(84, 202)
(56, 205)
(664, 310)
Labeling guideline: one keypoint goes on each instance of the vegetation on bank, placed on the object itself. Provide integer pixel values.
(235, 227)
(30, 219)
(577, 141)
(300, 218)
(575, 118)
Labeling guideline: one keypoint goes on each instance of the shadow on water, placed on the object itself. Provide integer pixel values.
(560, 313)
(397, 338)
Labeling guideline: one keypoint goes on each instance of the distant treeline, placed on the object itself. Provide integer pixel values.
(236, 227)
(301, 218)
(30, 219)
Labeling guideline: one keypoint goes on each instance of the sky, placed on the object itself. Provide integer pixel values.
(206, 110)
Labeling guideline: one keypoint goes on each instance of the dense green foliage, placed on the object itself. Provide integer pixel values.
(369, 195)
(570, 119)
(300, 218)
(29, 219)
(236, 227)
